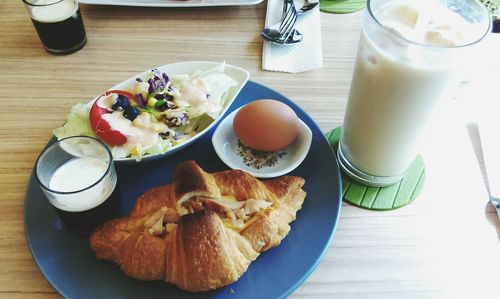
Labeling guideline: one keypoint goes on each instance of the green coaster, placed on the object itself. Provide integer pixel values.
(381, 198)
(341, 6)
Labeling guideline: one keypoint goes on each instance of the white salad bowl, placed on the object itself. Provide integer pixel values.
(188, 67)
(225, 143)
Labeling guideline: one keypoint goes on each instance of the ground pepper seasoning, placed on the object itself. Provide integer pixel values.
(258, 159)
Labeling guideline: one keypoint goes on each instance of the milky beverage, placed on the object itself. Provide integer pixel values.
(399, 77)
(79, 174)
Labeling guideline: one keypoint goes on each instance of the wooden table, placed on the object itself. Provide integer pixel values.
(445, 244)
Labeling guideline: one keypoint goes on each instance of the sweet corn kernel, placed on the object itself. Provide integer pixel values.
(134, 151)
(152, 102)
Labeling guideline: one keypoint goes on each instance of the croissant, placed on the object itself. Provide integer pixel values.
(202, 231)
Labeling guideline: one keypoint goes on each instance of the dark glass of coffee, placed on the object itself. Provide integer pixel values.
(59, 24)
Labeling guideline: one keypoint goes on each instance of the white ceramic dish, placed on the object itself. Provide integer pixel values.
(172, 3)
(225, 144)
(238, 74)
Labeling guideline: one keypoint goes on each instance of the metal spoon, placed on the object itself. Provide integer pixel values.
(295, 37)
(307, 6)
(273, 36)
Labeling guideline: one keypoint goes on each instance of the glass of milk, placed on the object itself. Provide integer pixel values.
(58, 23)
(409, 58)
(78, 177)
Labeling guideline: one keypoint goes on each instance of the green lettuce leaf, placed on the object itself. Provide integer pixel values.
(159, 147)
(77, 122)
(198, 124)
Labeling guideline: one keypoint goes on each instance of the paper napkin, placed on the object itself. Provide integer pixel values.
(304, 56)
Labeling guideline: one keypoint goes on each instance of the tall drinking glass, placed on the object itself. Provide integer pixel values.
(409, 59)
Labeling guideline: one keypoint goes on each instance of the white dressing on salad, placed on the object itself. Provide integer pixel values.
(107, 101)
(219, 83)
(142, 132)
(191, 92)
(203, 91)
(141, 88)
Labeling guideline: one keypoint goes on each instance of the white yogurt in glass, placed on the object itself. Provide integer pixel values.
(408, 60)
(77, 173)
(82, 176)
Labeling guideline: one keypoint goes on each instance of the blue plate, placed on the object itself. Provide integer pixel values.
(69, 264)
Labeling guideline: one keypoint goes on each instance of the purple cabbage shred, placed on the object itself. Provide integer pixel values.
(158, 83)
(159, 96)
(165, 77)
(141, 100)
(152, 86)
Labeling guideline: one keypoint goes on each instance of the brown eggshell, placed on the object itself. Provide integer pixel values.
(266, 125)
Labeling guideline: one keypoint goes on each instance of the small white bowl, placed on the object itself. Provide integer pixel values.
(225, 144)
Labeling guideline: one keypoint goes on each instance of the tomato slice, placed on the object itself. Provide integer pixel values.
(121, 92)
(101, 127)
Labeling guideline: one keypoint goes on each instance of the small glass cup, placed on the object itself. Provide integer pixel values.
(395, 86)
(78, 177)
(59, 24)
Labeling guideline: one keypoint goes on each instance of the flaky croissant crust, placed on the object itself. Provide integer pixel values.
(195, 248)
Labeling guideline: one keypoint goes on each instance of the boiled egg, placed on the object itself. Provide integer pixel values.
(266, 125)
